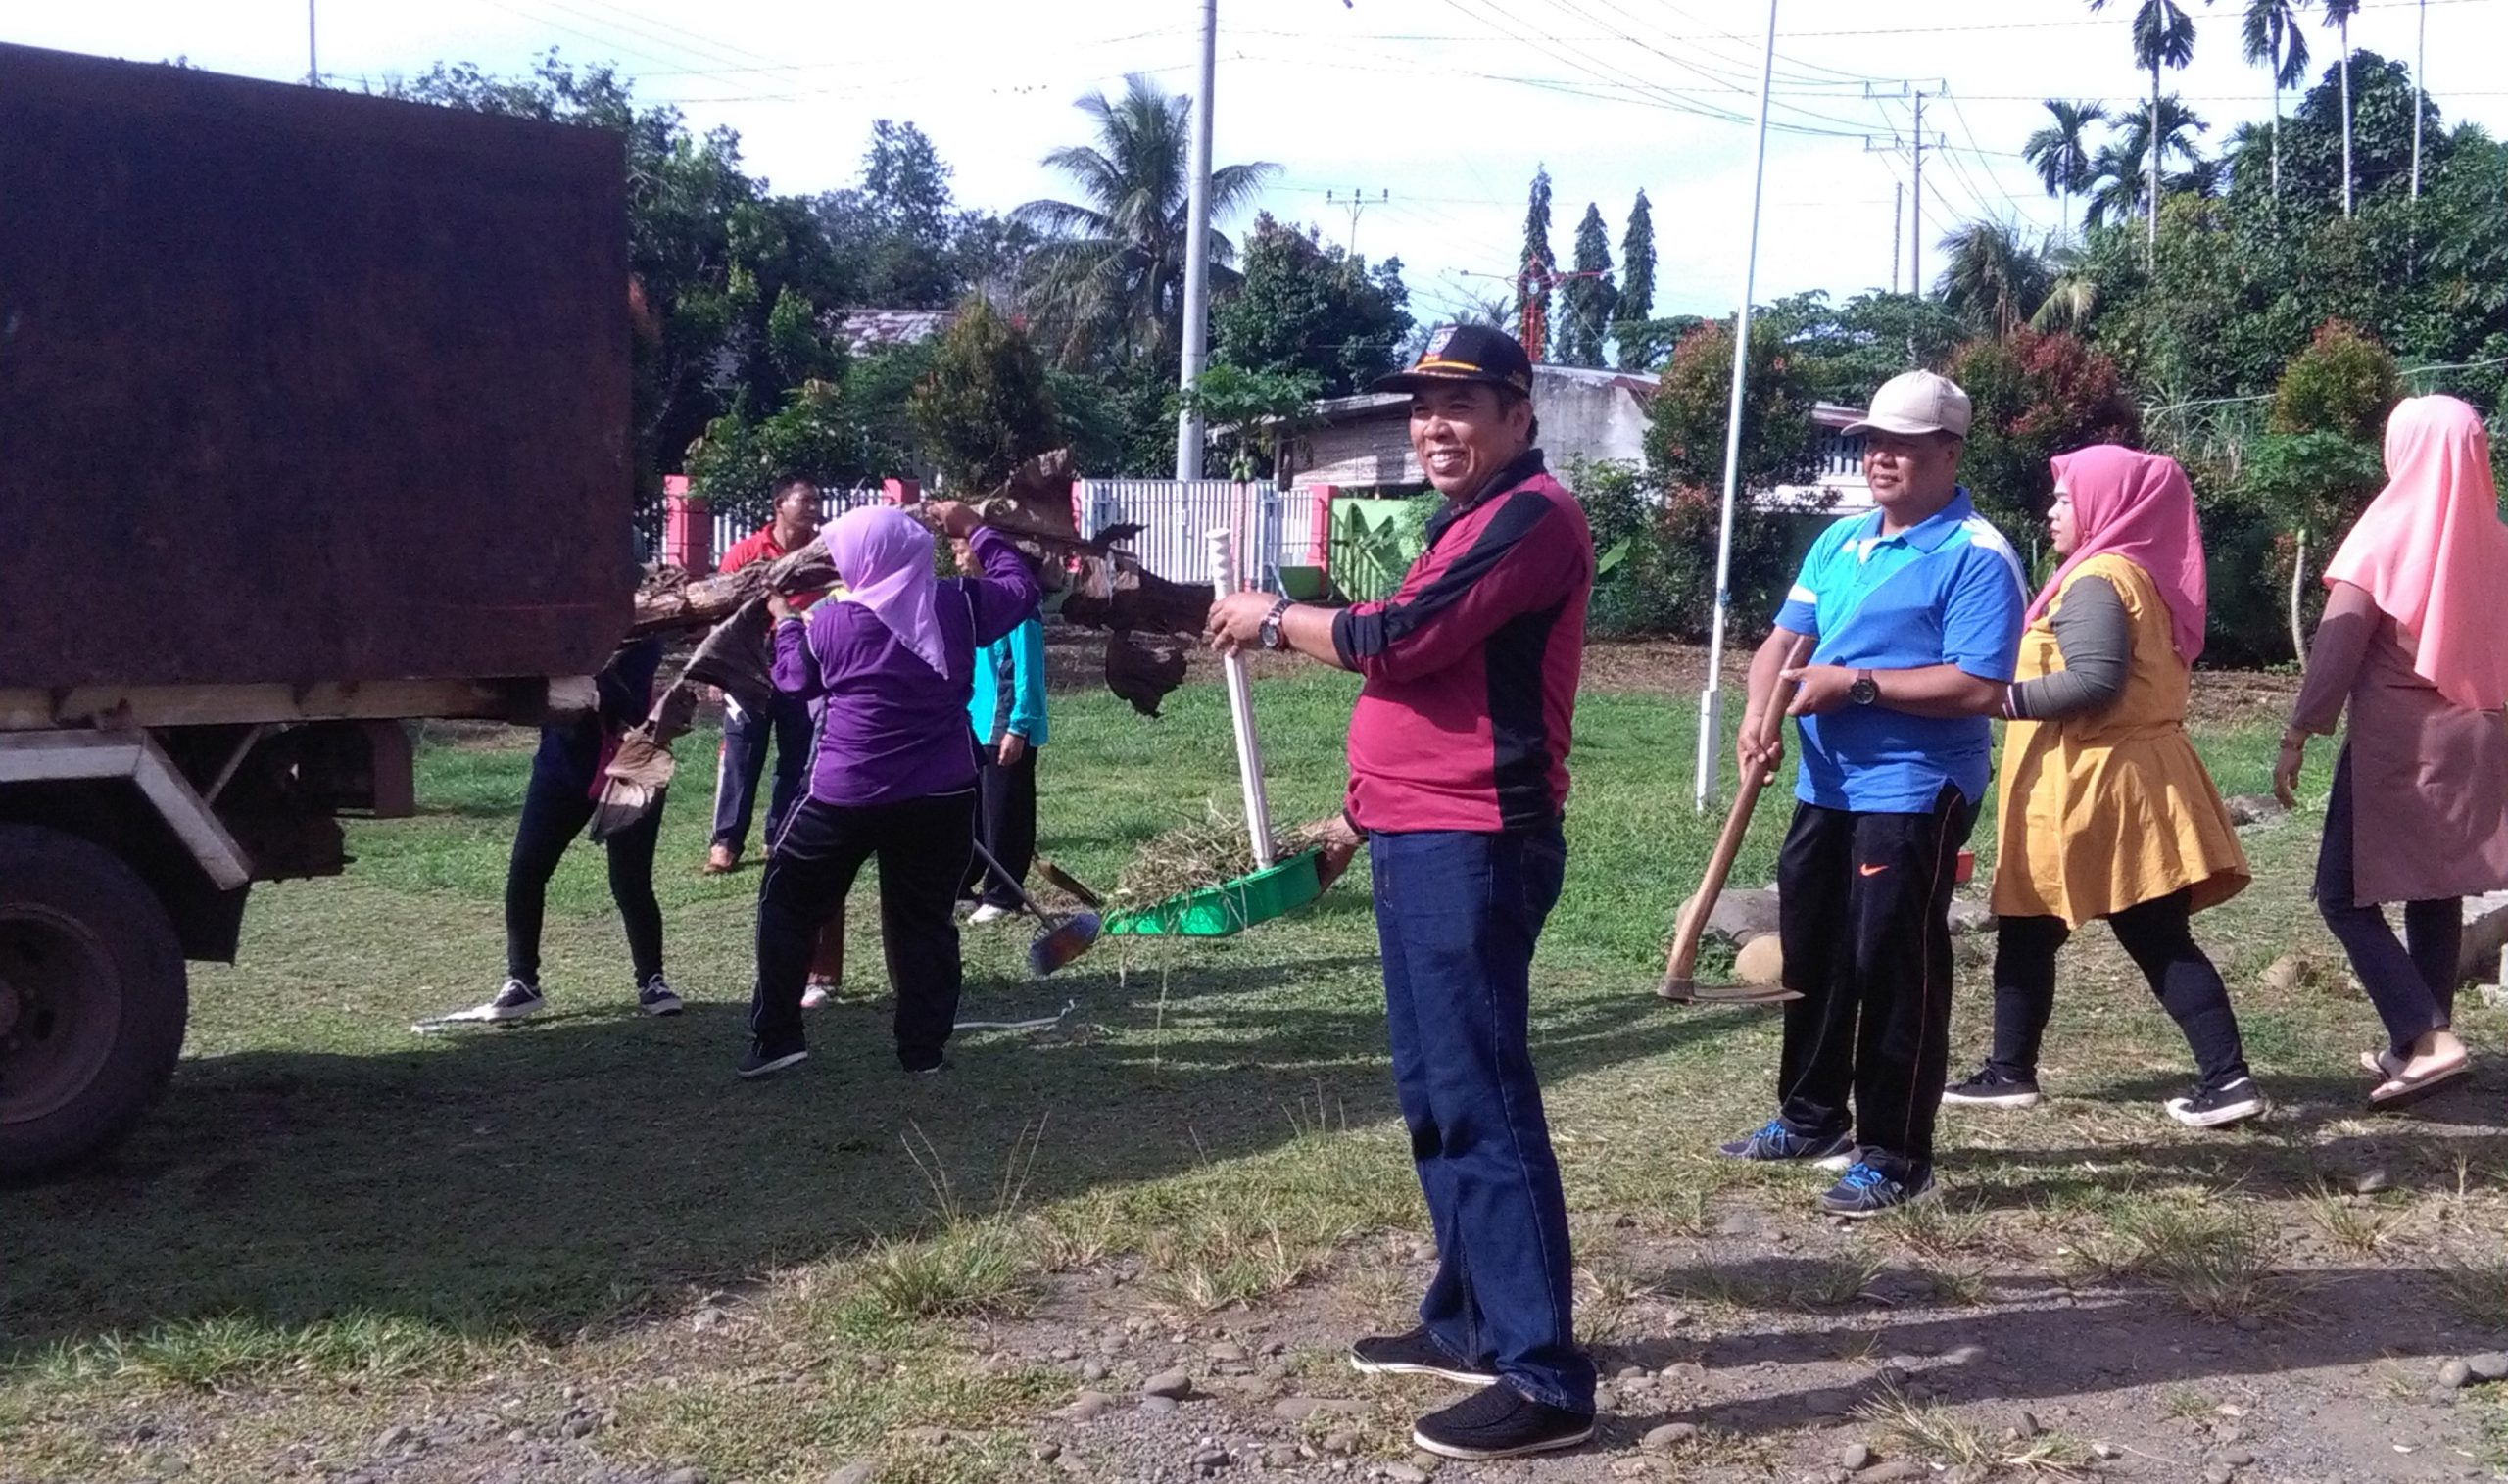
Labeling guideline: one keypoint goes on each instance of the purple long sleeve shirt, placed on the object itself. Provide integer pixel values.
(892, 728)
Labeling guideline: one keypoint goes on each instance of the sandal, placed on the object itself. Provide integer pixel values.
(2403, 1091)
(2385, 1066)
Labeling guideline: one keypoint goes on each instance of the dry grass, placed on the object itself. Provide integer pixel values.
(2215, 1262)
(1938, 1436)
(1190, 857)
(2355, 1224)
(2477, 1286)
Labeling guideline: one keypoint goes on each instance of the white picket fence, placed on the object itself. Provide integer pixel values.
(1273, 527)
(832, 502)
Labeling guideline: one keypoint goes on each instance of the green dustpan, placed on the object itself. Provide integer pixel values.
(1228, 908)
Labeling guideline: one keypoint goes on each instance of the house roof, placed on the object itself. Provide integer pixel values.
(1367, 404)
(877, 329)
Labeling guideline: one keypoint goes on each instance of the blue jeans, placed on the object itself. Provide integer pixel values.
(1457, 916)
(745, 734)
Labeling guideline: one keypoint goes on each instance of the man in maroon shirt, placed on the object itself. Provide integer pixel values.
(1458, 774)
(743, 760)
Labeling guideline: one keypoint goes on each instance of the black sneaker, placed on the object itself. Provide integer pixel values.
(516, 1001)
(1414, 1355)
(764, 1061)
(1500, 1423)
(2211, 1107)
(1993, 1088)
(657, 997)
(1776, 1141)
(1867, 1191)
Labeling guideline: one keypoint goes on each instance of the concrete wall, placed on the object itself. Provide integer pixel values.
(1595, 415)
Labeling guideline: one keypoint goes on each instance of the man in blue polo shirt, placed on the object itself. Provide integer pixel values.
(1912, 616)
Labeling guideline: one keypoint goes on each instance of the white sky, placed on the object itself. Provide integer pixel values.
(1447, 104)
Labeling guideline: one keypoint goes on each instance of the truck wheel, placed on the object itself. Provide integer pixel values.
(92, 1000)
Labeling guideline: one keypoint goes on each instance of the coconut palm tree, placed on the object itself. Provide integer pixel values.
(2072, 290)
(1112, 267)
(2338, 14)
(2163, 37)
(2060, 151)
(1991, 278)
(2123, 170)
(2273, 39)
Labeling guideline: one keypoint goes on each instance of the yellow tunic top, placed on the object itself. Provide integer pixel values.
(2108, 810)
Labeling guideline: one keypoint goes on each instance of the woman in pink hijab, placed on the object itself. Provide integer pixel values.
(892, 771)
(2412, 643)
(2104, 812)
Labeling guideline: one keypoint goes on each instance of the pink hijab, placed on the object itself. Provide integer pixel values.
(2431, 550)
(2139, 507)
(884, 557)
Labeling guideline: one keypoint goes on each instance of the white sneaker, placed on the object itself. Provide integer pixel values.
(989, 913)
(815, 996)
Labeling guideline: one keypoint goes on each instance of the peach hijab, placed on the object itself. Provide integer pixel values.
(2432, 553)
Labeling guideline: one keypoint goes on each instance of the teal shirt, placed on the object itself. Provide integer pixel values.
(1010, 676)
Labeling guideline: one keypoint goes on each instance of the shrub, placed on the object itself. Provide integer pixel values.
(813, 434)
(1657, 549)
(2035, 396)
(2344, 383)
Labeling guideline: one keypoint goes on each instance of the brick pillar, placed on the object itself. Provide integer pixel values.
(688, 528)
(900, 492)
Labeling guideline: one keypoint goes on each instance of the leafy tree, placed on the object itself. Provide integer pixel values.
(731, 278)
(1590, 299)
(1685, 422)
(1844, 351)
(1532, 291)
(2272, 39)
(1990, 277)
(984, 406)
(894, 234)
(814, 434)
(1111, 268)
(2035, 396)
(1258, 409)
(1636, 303)
(2321, 156)
(1305, 306)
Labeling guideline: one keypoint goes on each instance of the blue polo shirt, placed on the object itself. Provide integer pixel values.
(1945, 592)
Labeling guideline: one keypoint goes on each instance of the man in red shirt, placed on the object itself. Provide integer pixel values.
(1458, 774)
(744, 736)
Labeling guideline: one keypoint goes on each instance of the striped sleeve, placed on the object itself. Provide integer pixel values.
(1522, 560)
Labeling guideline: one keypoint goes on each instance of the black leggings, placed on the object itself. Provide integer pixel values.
(2156, 935)
(2413, 987)
(553, 813)
(922, 845)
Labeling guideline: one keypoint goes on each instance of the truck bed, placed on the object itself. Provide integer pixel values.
(303, 387)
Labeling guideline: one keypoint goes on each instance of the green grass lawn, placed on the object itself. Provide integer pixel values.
(328, 1212)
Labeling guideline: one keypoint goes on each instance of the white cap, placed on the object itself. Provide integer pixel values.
(1916, 404)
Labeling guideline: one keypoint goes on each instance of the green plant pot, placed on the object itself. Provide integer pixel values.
(1230, 907)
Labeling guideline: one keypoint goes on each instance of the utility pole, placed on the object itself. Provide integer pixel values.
(1356, 202)
(1915, 193)
(2420, 59)
(1710, 702)
(1198, 254)
(1898, 217)
(313, 61)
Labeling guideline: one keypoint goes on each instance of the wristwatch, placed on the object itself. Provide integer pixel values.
(1268, 636)
(1866, 689)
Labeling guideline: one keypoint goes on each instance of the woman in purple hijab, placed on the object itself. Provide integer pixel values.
(891, 774)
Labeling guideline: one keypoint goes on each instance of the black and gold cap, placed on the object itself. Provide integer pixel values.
(1465, 353)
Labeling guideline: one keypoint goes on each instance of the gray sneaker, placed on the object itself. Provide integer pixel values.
(516, 1001)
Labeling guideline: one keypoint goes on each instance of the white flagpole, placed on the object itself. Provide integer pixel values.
(1197, 235)
(1711, 703)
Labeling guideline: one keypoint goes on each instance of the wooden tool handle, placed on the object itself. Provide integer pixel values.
(1692, 926)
